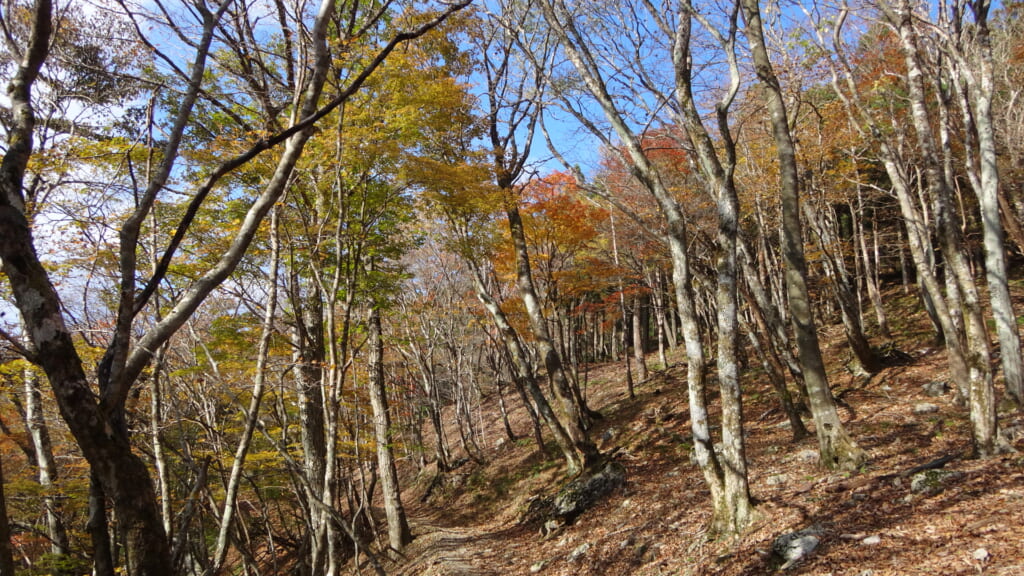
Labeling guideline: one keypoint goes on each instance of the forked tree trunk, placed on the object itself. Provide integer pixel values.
(573, 415)
(524, 376)
(399, 533)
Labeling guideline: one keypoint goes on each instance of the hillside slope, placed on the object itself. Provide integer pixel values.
(870, 523)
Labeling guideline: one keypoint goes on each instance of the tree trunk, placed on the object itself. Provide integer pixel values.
(638, 339)
(102, 550)
(525, 376)
(96, 426)
(40, 433)
(838, 450)
(658, 299)
(725, 473)
(399, 533)
(252, 414)
(156, 429)
(310, 358)
(986, 187)
(623, 309)
(573, 417)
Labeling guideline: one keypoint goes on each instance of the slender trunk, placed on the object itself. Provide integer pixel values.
(622, 308)
(524, 375)
(638, 339)
(838, 450)
(156, 427)
(573, 416)
(535, 418)
(659, 318)
(399, 533)
(102, 550)
(47, 466)
(252, 414)
(309, 357)
(773, 317)
(505, 359)
(180, 547)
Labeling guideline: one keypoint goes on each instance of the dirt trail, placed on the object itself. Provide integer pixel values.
(442, 549)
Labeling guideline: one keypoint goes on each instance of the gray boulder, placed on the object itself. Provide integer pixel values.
(932, 482)
(936, 388)
(795, 546)
(587, 490)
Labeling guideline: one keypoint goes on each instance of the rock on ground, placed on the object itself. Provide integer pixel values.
(587, 490)
(795, 546)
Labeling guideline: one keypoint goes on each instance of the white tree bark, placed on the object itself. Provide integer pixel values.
(399, 533)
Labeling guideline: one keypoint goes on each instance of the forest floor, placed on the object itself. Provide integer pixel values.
(868, 523)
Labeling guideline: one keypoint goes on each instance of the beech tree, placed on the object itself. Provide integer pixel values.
(512, 109)
(837, 449)
(955, 309)
(968, 45)
(724, 472)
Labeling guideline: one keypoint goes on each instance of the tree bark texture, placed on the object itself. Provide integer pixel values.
(399, 533)
(837, 448)
(981, 393)
(980, 85)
